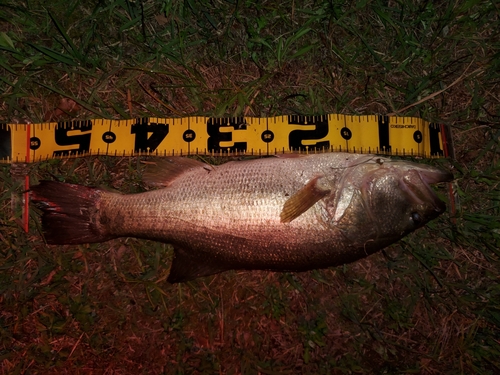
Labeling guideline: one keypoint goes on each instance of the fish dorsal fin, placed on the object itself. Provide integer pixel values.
(186, 266)
(303, 200)
(161, 172)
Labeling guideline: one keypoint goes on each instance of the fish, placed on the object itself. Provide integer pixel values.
(289, 212)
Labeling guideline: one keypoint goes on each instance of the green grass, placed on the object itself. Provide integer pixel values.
(428, 304)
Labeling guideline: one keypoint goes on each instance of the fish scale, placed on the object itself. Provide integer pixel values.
(287, 213)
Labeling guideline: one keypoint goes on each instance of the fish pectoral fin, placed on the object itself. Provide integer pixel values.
(186, 266)
(303, 200)
(161, 172)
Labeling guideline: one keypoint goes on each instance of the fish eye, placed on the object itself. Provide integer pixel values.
(416, 218)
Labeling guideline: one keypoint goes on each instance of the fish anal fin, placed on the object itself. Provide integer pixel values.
(186, 267)
(303, 200)
(161, 172)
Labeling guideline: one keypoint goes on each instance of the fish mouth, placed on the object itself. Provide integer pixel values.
(416, 183)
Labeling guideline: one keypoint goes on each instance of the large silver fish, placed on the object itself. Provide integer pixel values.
(286, 213)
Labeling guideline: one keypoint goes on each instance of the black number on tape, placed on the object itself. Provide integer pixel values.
(434, 130)
(81, 140)
(296, 137)
(5, 142)
(383, 133)
(145, 142)
(215, 138)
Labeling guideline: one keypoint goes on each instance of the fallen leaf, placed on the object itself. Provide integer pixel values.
(66, 107)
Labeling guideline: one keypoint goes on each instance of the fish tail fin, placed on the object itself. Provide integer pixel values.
(70, 213)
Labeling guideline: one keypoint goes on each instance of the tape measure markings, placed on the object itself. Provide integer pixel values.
(223, 136)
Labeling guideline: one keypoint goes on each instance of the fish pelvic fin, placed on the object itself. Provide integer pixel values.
(186, 266)
(303, 200)
(161, 172)
(69, 213)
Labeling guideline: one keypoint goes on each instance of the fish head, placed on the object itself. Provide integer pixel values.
(382, 202)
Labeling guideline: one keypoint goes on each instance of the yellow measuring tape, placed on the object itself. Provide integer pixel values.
(403, 136)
